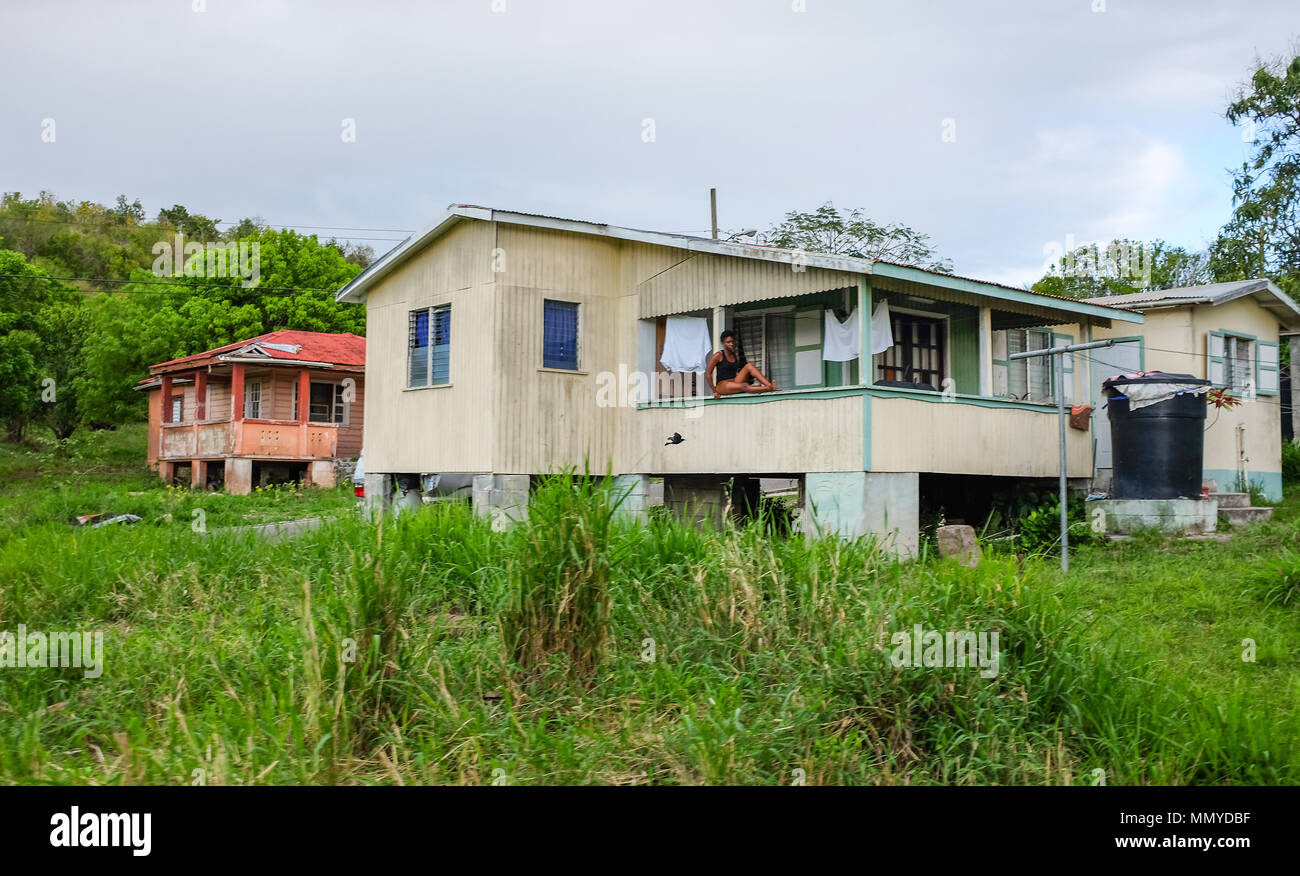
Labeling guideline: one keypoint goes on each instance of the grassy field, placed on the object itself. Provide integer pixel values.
(46, 482)
(583, 649)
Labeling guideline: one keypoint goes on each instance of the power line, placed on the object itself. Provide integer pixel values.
(186, 284)
(106, 220)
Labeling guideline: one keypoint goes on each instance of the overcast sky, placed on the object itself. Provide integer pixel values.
(1067, 121)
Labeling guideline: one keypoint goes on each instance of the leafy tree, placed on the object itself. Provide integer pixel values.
(1263, 236)
(147, 322)
(127, 213)
(28, 302)
(1123, 267)
(850, 233)
(62, 328)
(193, 225)
(246, 227)
(356, 253)
(19, 378)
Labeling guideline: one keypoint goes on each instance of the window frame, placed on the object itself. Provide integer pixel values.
(577, 340)
(251, 383)
(944, 322)
(1012, 365)
(337, 414)
(1249, 366)
(431, 314)
(178, 408)
(786, 314)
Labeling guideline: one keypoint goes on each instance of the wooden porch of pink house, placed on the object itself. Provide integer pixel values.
(238, 423)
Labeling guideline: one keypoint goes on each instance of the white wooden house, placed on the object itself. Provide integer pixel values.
(507, 345)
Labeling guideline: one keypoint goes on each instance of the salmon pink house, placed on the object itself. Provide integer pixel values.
(283, 406)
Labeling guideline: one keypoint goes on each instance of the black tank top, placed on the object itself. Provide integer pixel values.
(729, 370)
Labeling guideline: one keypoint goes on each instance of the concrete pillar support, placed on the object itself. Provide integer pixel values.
(239, 476)
(634, 492)
(851, 504)
(503, 498)
(701, 499)
(321, 473)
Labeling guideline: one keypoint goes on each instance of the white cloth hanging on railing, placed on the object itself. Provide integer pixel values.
(882, 332)
(843, 340)
(687, 344)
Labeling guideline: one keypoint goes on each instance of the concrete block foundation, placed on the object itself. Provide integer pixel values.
(634, 492)
(851, 504)
(501, 498)
(239, 476)
(322, 473)
(1123, 516)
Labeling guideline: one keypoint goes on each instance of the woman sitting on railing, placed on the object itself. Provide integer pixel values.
(734, 373)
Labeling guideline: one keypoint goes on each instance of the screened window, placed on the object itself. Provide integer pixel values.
(767, 340)
(560, 335)
(429, 346)
(1029, 379)
(1238, 354)
(253, 399)
(177, 401)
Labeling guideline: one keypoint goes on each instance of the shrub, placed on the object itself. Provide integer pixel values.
(1291, 461)
(1039, 531)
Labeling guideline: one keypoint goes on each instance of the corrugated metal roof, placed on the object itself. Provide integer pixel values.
(761, 252)
(342, 348)
(1264, 290)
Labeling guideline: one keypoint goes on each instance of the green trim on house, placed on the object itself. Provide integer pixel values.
(975, 287)
(754, 398)
(1226, 480)
(1211, 360)
(1261, 367)
(866, 431)
(964, 348)
(848, 391)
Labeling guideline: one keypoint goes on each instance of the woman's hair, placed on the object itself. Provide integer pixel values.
(727, 334)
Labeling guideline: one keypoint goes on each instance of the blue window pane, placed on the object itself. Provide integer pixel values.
(441, 357)
(560, 335)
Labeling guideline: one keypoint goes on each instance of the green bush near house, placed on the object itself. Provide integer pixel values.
(1291, 461)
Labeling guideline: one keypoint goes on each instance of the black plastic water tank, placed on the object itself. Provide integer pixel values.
(1157, 448)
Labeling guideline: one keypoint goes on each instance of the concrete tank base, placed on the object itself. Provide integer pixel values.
(1123, 516)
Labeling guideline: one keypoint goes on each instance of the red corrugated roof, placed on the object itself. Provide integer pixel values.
(337, 349)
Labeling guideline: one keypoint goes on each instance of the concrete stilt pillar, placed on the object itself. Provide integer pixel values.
(239, 476)
(701, 499)
(634, 492)
(321, 473)
(503, 498)
(851, 504)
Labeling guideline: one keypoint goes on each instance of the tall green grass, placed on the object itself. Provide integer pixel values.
(389, 651)
(559, 574)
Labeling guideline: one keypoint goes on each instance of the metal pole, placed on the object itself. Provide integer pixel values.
(713, 209)
(1059, 361)
(1057, 354)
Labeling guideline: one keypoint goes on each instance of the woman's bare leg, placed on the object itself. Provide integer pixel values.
(750, 371)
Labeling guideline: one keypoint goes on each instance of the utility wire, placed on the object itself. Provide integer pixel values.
(189, 284)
